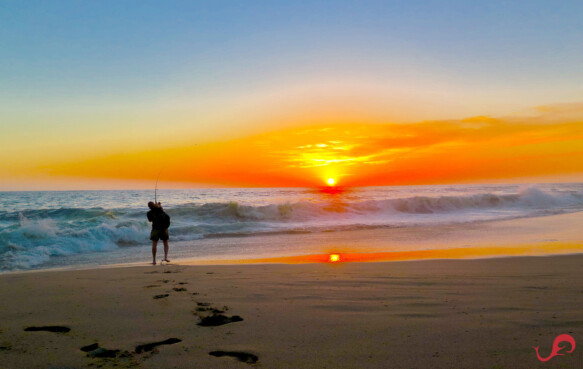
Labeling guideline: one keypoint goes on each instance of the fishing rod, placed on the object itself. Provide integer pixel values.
(156, 187)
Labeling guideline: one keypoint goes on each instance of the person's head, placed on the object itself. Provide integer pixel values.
(152, 205)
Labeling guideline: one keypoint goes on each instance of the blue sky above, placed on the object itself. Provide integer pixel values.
(141, 49)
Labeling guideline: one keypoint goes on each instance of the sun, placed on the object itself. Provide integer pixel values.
(334, 258)
(331, 181)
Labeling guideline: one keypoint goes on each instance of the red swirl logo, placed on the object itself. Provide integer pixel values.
(557, 347)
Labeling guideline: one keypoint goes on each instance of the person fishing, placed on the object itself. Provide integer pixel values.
(160, 223)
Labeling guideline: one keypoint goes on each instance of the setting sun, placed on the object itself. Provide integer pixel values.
(331, 181)
(334, 258)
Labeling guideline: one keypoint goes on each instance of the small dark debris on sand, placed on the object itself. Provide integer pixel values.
(182, 282)
(179, 289)
(150, 346)
(203, 304)
(241, 356)
(218, 319)
(48, 328)
(161, 296)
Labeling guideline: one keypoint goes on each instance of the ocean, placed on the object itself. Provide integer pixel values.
(55, 229)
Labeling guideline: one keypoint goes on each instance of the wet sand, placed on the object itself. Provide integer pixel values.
(484, 313)
(554, 234)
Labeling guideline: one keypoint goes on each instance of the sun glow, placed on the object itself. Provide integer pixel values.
(334, 258)
(331, 156)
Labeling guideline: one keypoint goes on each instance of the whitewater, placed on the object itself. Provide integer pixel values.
(40, 230)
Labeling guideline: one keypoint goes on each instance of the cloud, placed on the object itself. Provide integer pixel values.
(549, 142)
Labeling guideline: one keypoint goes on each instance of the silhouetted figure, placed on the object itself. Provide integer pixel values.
(160, 223)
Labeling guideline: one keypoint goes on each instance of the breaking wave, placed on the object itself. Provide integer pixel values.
(526, 201)
(31, 237)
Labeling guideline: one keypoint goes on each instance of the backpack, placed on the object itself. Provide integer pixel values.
(163, 220)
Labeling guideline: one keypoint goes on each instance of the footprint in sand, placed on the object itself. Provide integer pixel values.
(48, 328)
(205, 307)
(241, 356)
(94, 351)
(218, 319)
(211, 309)
(150, 346)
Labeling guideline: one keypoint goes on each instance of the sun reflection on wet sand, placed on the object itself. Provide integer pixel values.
(453, 253)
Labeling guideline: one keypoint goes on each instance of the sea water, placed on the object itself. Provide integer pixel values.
(40, 230)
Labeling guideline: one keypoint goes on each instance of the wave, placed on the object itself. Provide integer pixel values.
(62, 213)
(527, 199)
(30, 242)
(32, 237)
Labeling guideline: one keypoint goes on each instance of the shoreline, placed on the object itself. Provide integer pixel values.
(290, 260)
(553, 234)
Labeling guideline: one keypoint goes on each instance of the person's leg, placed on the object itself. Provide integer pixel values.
(165, 250)
(154, 249)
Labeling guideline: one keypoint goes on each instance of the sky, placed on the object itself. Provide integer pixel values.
(108, 94)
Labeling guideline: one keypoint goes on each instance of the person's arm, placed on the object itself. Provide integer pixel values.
(150, 216)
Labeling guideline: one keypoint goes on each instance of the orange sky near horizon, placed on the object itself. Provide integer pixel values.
(546, 144)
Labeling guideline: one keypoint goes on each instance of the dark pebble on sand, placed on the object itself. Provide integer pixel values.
(161, 296)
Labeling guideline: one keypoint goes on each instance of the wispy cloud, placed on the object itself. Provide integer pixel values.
(547, 142)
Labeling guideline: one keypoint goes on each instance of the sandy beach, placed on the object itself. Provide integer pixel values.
(484, 313)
